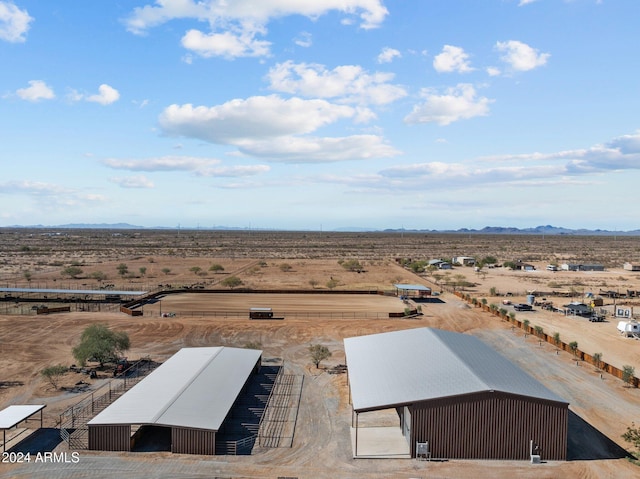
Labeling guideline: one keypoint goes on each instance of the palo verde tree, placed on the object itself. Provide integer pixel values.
(101, 344)
(318, 353)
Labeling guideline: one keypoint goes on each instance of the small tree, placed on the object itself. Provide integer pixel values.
(573, 346)
(232, 282)
(195, 269)
(123, 269)
(143, 270)
(556, 341)
(166, 270)
(53, 374)
(101, 344)
(72, 271)
(628, 373)
(319, 353)
(28, 275)
(285, 267)
(597, 360)
(313, 283)
(216, 268)
(525, 325)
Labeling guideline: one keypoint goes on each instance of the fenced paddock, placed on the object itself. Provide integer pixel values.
(73, 421)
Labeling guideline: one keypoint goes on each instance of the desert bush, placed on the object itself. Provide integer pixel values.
(216, 268)
(628, 373)
(232, 282)
(53, 374)
(72, 271)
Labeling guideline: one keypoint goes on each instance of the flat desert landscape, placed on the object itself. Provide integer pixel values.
(602, 406)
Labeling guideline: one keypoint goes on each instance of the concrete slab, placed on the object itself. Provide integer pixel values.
(380, 443)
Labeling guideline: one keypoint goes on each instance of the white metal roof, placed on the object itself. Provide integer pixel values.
(412, 287)
(196, 388)
(13, 415)
(403, 367)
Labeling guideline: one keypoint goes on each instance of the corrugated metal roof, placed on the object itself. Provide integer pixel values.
(404, 367)
(196, 387)
(13, 415)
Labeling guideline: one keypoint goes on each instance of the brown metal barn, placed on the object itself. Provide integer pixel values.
(454, 393)
(188, 398)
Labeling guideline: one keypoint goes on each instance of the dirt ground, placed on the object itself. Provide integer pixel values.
(322, 444)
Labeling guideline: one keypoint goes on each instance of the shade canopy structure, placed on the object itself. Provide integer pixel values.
(14, 415)
(195, 388)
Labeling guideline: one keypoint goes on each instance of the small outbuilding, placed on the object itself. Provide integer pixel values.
(412, 290)
(455, 394)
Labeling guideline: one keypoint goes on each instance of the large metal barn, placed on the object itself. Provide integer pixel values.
(187, 399)
(455, 396)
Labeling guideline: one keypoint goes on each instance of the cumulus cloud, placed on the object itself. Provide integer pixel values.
(14, 23)
(520, 56)
(458, 103)
(37, 90)
(387, 55)
(347, 83)
(452, 59)
(256, 117)
(226, 44)
(105, 96)
(235, 25)
(195, 165)
(276, 128)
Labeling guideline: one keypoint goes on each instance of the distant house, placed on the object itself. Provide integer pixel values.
(577, 309)
(438, 263)
(464, 260)
(631, 266)
(524, 266)
(582, 267)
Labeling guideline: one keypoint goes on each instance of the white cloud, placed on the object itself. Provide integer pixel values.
(235, 24)
(105, 96)
(526, 2)
(275, 128)
(226, 44)
(387, 55)
(14, 23)
(197, 166)
(37, 90)
(532, 169)
(132, 182)
(49, 196)
(304, 39)
(347, 83)
(452, 59)
(457, 103)
(300, 150)
(493, 71)
(520, 56)
(256, 117)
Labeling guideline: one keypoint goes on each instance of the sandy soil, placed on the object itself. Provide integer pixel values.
(322, 445)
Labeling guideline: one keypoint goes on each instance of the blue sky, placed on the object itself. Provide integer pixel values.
(299, 114)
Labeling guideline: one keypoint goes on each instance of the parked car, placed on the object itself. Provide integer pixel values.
(522, 307)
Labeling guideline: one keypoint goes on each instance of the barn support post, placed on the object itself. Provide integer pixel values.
(355, 453)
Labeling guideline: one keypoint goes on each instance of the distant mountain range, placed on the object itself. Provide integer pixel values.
(492, 230)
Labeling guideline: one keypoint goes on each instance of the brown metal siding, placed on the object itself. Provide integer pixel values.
(193, 441)
(490, 426)
(110, 438)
